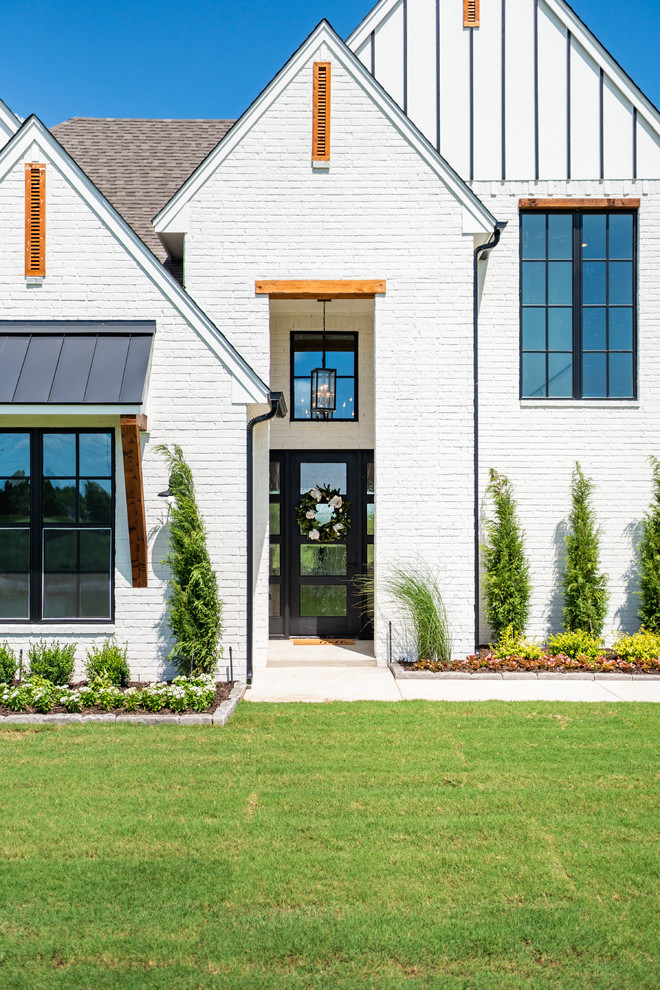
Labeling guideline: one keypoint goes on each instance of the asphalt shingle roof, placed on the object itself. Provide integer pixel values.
(138, 165)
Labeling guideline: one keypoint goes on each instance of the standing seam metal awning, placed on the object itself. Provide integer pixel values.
(74, 362)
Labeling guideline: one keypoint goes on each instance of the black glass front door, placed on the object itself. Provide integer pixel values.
(313, 591)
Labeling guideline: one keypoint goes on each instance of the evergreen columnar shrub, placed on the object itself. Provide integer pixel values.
(649, 558)
(52, 661)
(583, 584)
(576, 645)
(194, 608)
(506, 582)
(418, 593)
(108, 660)
(8, 663)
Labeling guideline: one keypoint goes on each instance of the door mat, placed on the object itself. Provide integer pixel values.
(314, 641)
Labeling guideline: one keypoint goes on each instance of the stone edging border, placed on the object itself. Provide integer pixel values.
(517, 675)
(220, 716)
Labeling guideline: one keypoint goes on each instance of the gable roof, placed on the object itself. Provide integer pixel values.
(138, 165)
(325, 33)
(571, 21)
(33, 130)
(8, 118)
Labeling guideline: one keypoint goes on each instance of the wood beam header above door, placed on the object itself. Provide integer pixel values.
(343, 288)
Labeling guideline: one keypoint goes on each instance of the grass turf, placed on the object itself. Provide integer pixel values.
(337, 846)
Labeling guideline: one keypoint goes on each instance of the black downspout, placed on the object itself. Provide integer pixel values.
(480, 253)
(277, 408)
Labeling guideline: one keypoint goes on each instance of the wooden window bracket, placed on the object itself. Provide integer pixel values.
(137, 526)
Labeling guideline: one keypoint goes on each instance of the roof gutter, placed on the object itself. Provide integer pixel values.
(481, 253)
(277, 408)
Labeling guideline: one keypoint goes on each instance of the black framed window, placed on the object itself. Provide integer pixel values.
(578, 305)
(57, 510)
(316, 350)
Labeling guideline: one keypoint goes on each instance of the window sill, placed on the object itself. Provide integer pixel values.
(63, 627)
(580, 403)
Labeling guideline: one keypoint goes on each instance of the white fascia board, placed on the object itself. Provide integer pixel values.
(34, 132)
(473, 224)
(179, 223)
(9, 119)
(567, 16)
(324, 34)
(375, 17)
(68, 409)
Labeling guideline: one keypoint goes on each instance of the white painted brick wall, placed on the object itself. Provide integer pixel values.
(90, 276)
(377, 213)
(537, 443)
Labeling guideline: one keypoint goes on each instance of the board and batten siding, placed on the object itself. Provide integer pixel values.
(519, 97)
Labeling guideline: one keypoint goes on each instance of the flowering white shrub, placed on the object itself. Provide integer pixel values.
(196, 693)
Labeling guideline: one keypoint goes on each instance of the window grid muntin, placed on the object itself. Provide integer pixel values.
(306, 378)
(36, 526)
(577, 305)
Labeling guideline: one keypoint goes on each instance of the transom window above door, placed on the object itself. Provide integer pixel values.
(336, 351)
(578, 305)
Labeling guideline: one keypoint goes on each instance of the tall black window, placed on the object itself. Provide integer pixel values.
(56, 524)
(307, 353)
(578, 301)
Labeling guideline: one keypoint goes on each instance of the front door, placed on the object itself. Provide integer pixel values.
(313, 591)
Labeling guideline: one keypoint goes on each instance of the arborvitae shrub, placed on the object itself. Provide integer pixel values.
(194, 609)
(649, 558)
(506, 582)
(583, 584)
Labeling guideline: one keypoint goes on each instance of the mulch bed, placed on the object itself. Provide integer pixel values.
(222, 692)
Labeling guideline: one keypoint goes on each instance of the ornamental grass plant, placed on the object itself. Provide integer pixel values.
(418, 594)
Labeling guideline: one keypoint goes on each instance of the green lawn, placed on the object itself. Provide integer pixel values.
(331, 846)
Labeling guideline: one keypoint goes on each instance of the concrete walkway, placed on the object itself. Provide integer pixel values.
(316, 680)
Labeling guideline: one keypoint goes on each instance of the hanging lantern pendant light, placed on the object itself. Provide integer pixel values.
(324, 384)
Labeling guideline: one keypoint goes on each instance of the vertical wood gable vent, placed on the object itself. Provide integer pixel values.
(470, 13)
(35, 219)
(321, 113)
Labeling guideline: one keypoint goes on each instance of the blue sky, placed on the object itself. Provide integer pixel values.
(199, 58)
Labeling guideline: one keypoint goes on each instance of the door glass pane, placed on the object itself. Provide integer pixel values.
(594, 375)
(274, 477)
(274, 565)
(59, 500)
(323, 560)
(274, 519)
(95, 455)
(533, 235)
(323, 599)
(14, 454)
(370, 477)
(533, 328)
(95, 501)
(59, 455)
(371, 509)
(15, 500)
(313, 473)
(274, 607)
(594, 227)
